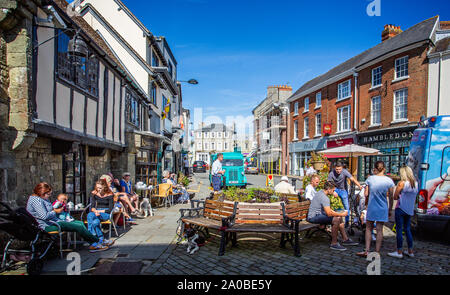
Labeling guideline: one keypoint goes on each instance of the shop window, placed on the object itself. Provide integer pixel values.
(80, 71)
(74, 175)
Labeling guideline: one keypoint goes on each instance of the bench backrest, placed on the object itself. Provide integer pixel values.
(291, 197)
(259, 213)
(297, 210)
(217, 210)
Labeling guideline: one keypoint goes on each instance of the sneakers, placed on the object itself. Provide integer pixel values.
(337, 247)
(395, 255)
(408, 254)
(98, 248)
(108, 243)
(349, 242)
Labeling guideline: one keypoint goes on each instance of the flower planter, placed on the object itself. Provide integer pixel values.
(318, 166)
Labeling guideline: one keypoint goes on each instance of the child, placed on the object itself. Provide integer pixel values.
(61, 202)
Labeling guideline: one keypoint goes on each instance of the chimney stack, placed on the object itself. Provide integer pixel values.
(389, 32)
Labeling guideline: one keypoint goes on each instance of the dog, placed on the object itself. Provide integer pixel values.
(146, 208)
(193, 240)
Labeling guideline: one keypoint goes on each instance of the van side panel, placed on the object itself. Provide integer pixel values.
(419, 153)
(438, 177)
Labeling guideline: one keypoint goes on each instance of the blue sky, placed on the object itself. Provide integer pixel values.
(236, 48)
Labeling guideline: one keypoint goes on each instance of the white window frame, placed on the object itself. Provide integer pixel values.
(225, 146)
(404, 70)
(318, 100)
(340, 119)
(199, 135)
(206, 134)
(372, 111)
(226, 134)
(213, 135)
(341, 90)
(199, 146)
(377, 73)
(306, 105)
(296, 109)
(318, 125)
(219, 134)
(219, 146)
(306, 128)
(296, 130)
(206, 146)
(213, 146)
(405, 104)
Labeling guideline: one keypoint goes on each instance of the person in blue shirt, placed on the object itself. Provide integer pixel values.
(127, 187)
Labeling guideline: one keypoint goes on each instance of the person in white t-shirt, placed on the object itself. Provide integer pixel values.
(310, 191)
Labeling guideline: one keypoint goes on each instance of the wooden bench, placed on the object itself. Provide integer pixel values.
(292, 198)
(208, 216)
(299, 211)
(261, 218)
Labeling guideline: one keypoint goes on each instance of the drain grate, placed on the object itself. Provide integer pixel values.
(123, 255)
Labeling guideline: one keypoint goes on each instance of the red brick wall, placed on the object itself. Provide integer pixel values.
(328, 110)
(416, 84)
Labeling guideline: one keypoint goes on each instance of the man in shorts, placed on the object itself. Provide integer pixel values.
(320, 212)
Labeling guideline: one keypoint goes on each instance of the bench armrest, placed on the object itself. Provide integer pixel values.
(228, 221)
(291, 223)
(195, 204)
(195, 212)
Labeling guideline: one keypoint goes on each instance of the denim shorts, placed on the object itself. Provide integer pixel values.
(321, 219)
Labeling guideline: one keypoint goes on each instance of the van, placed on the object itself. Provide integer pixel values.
(429, 158)
(233, 164)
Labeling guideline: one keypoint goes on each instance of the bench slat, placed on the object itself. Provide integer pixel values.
(260, 217)
(262, 228)
(258, 222)
(259, 206)
(241, 211)
(219, 213)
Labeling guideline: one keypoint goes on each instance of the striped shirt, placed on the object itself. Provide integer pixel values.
(42, 209)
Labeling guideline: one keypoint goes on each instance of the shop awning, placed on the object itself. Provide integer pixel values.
(335, 156)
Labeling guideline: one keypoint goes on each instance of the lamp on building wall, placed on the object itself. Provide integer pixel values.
(192, 82)
(77, 46)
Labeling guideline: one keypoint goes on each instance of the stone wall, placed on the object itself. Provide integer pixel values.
(95, 168)
(35, 166)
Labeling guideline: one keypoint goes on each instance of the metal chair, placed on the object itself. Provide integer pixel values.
(59, 232)
(162, 191)
(109, 222)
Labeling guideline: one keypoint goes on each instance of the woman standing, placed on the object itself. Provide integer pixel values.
(406, 193)
(380, 188)
(39, 207)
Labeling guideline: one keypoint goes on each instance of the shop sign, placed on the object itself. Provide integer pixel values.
(327, 129)
(405, 135)
(306, 146)
(339, 142)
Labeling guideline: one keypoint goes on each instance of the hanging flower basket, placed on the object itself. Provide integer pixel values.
(319, 165)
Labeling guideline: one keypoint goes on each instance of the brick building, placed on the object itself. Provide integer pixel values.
(374, 99)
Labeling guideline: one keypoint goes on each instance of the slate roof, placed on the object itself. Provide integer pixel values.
(417, 33)
(214, 128)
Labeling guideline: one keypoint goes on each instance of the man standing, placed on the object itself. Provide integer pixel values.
(320, 212)
(310, 190)
(186, 166)
(284, 187)
(217, 172)
(339, 176)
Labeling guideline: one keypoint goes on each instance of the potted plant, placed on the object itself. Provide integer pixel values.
(317, 161)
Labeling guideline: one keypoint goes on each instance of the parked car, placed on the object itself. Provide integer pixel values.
(251, 169)
(429, 158)
(200, 167)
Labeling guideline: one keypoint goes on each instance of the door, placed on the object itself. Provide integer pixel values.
(74, 174)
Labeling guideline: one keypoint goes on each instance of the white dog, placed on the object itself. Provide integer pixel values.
(146, 208)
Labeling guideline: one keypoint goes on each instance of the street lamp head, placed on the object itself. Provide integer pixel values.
(276, 105)
(77, 46)
(193, 82)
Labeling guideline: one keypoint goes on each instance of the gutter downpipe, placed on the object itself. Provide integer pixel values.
(439, 83)
(355, 102)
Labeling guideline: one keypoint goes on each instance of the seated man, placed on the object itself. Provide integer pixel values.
(284, 187)
(310, 191)
(320, 212)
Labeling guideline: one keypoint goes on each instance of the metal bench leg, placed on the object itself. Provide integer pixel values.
(233, 239)
(222, 243)
(283, 241)
(296, 243)
(60, 246)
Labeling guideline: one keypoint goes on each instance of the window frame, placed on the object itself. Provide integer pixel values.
(296, 108)
(296, 130)
(319, 98)
(380, 73)
(396, 66)
(405, 104)
(306, 127)
(340, 90)
(318, 126)
(306, 105)
(372, 111)
(340, 112)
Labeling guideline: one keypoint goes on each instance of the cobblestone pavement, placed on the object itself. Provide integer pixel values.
(258, 257)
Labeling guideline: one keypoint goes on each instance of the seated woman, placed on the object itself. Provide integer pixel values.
(123, 198)
(178, 190)
(40, 207)
(102, 204)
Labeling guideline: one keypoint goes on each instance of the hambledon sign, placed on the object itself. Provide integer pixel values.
(406, 135)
